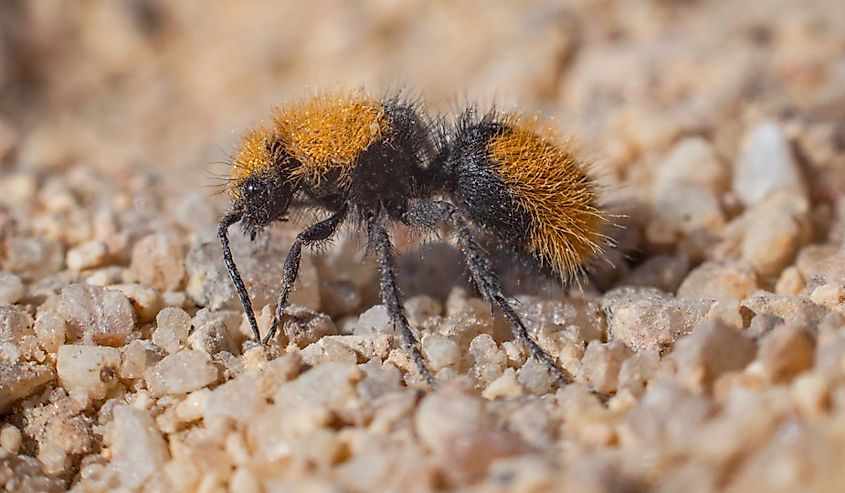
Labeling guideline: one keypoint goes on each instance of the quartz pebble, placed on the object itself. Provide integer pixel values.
(180, 373)
(96, 314)
(139, 451)
(710, 350)
(87, 255)
(11, 288)
(173, 325)
(20, 380)
(601, 364)
(786, 352)
(158, 261)
(719, 282)
(88, 372)
(766, 165)
(647, 319)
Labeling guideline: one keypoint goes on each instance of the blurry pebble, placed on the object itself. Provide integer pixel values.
(765, 165)
(646, 318)
(87, 255)
(21, 380)
(10, 438)
(138, 449)
(601, 364)
(11, 288)
(96, 314)
(158, 261)
(711, 349)
(712, 280)
(786, 352)
(180, 373)
(33, 258)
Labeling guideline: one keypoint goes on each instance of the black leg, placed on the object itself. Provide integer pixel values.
(379, 241)
(316, 233)
(426, 215)
(222, 229)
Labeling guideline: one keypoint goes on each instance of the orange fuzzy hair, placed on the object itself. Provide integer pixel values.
(554, 188)
(328, 132)
(256, 155)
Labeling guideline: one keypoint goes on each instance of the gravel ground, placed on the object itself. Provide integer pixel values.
(710, 357)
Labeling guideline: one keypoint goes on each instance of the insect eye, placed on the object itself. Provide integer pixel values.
(251, 188)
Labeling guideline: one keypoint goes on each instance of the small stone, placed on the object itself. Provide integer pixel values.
(236, 401)
(773, 231)
(191, 409)
(10, 438)
(831, 295)
(534, 377)
(784, 307)
(158, 261)
(421, 308)
(88, 372)
(330, 386)
(53, 458)
(374, 321)
(146, 302)
(33, 258)
(173, 326)
(443, 416)
(138, 449)
(15, 323)
(637, 370)
(50, 330)
(11, 288)
(716, 281)
(96, 314)
(601, 364)
(21, 380)
(87, 255)
(685, 209)
(180, 373)
(504, 387)
(648, 319)
(134, 360)
(664, 272)
(790, 282)
(710, 350)
(692, 161)
(440, 352)
(765, 165)
(786, 352)
(214, 331)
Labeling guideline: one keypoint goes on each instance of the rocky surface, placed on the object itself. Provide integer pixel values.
(710, 355)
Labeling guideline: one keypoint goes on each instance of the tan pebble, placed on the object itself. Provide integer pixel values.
(601, 364)
(145, 301)
(716, 281)
(10, 438)
(133, 360)
(811, 393)
(504, 387)
(50, 330)
(158, 260)
(244, 481)
(87, 255)
(88, 372)
(52, 457)
(138, 449)
(713, 348)
(191, 408)
(440, 351)
(830, 295)
(181, 372)
(96, 314)
(11, 288)
(790, 282)
(786, 352)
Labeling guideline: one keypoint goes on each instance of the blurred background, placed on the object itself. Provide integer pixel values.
(165, 88)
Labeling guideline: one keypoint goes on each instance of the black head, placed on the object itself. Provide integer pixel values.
(262, 180)
(263, 198)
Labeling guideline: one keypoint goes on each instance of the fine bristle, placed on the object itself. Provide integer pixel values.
(553, 186)
(254, 156)
(328, 132)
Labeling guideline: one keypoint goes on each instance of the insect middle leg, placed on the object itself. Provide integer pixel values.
(379, 241)
(315, 233)
(427, 215)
